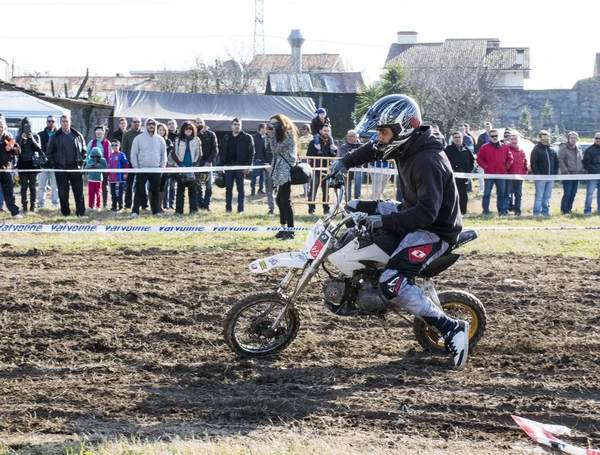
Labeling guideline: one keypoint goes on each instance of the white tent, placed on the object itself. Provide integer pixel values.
(16, 105)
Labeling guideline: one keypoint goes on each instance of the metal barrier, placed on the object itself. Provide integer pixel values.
(374, 181)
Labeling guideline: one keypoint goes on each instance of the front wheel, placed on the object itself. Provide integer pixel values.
(458, 305)
(248, 325)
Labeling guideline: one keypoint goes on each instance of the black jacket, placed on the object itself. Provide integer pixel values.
(244, 152)
(118, 135)
(544, 160)
(430, 198)
(210, 146)
(591, 159)
(56, 152)
(29, 147)
(44, 139)
(461, 159)
(259, 148)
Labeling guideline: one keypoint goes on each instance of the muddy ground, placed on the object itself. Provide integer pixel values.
(129, 342)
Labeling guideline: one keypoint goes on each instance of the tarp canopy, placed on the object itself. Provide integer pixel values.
(16, 105)
(216, 110)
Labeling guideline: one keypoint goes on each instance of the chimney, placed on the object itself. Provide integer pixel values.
(296, 41)
(520, 57)
(407, 37)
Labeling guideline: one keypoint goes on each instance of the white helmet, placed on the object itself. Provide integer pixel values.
(400, 113)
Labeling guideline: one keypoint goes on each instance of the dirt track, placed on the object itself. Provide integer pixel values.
(111, 343)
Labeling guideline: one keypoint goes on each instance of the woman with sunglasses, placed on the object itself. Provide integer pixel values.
(187, 151)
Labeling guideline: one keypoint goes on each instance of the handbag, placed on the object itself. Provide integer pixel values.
(188, 177)
(300, 173)
(39, 159)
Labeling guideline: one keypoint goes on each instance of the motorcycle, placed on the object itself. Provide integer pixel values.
(266, 323)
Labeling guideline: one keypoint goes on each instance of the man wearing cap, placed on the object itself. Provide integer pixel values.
(148, 151)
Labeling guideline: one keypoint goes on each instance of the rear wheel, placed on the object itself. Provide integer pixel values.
(248, 325)
(458, 305)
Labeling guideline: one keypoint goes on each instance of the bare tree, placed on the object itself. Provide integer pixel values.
(449, 96)
(169, 80)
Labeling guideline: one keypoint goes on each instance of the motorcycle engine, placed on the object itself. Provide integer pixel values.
(334, 291)
(370, 300)
(345, 298)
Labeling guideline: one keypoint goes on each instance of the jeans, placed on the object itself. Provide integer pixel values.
(463, 197)
(6, 181)
(269, 191)
(116, 193)
(257, 174)
(192, 197)
(543, 192)
(28, 182)
(284, 203)
(75, 179)
(570, 188)
(238, 178)
(204, 199)
(313, 189)
(169, 188)
(1, 199)
(104, 190)
(515, 195)
(45, 178)
(501, 202)
(589, 196)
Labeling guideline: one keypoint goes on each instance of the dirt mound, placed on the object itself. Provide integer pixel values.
(130, 343)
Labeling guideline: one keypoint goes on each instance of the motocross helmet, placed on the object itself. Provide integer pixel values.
(400, 113)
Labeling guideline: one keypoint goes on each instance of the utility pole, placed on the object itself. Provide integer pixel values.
(259, 28)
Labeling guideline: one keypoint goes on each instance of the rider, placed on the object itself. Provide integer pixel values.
(428, 220)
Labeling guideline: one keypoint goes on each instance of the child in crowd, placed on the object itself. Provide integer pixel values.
(95, 161)
(117, 160)
(317, 124)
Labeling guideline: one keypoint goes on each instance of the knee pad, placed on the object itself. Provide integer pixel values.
(391, 284)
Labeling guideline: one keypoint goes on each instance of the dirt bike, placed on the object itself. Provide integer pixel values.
(266, 323)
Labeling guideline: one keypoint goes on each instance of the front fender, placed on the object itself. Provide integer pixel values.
(294, 260)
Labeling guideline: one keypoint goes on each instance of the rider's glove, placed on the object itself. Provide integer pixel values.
(372, 223)
(338, 166)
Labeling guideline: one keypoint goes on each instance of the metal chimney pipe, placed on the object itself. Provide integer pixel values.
(296, 41)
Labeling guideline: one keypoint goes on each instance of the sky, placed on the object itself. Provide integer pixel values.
(65, 37)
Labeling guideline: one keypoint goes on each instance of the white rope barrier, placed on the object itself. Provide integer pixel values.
(115, 229)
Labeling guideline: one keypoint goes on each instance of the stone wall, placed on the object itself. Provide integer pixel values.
(84, 115)
(577, 109)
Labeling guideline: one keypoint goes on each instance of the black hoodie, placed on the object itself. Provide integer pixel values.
(430, 198)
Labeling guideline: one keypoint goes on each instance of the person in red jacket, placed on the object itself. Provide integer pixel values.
(495, 158)
(518, 166)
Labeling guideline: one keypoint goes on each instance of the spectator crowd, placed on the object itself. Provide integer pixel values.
(274, 148)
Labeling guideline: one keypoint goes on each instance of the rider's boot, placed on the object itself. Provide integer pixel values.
(457, 344)
(402, 292)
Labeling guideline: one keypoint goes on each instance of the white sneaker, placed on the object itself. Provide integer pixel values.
(18, 216)
(158, 215)
(457, 344)
(134, 215)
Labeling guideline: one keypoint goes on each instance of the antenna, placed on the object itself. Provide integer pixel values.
(259, 28)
